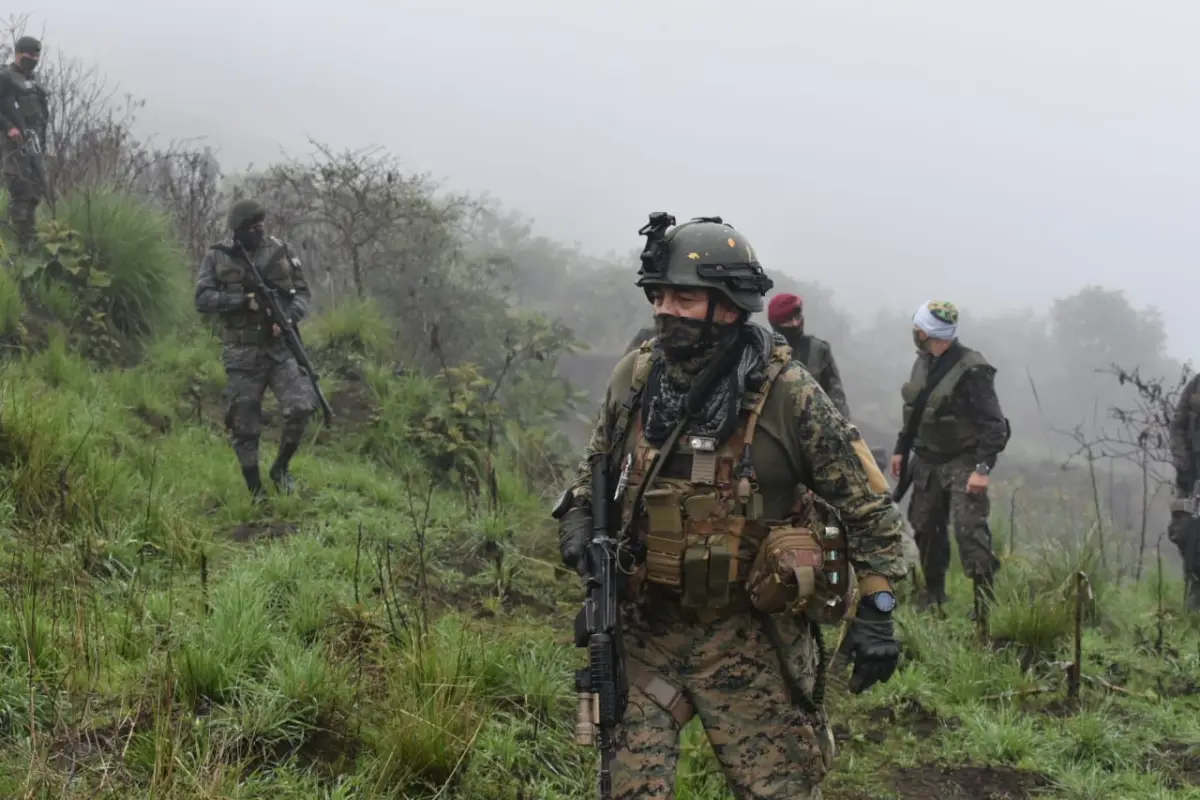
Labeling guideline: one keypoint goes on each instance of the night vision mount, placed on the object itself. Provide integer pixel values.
(654, 254)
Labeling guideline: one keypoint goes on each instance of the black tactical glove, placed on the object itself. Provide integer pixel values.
(574, 530)
(871, 647)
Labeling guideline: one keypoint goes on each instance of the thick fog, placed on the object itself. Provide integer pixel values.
(996, 154)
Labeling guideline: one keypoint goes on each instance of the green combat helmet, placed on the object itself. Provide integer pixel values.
(704, 253)
(244, 213)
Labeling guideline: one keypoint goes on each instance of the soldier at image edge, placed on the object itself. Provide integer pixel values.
(954, 430)
(785, 313)
(1184, 528)
(24, 113)
(724, 534)
(254, 351)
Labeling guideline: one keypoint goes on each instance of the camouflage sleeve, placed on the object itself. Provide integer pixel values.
(598, 442)
(979, 387)
(843, 472)
(211, 296)
(831, 382)
(1181, 446)
(302, 299)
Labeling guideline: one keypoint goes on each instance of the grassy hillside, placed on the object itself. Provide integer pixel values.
(387, 633)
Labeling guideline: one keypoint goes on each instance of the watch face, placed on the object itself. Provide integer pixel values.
(884, 601)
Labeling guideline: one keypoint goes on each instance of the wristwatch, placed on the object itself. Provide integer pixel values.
(883, 602)
(982, 469)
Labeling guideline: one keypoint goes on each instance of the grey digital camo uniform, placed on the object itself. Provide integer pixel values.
(1184, 529)
(19, 90)
(726, 664)
(253, 357)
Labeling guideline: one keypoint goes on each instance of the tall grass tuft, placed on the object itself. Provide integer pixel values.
(11, 305)
(134, 243)
(353, 326)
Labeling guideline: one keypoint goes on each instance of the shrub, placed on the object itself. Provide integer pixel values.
(135, 245)
(353, 327)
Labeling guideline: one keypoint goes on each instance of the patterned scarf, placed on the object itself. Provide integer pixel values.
(708, 369)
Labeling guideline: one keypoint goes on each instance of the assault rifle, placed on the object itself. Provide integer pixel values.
(291, 334)
(32, 150)
(601, 686)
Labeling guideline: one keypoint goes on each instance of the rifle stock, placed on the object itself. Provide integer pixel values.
(600, 686)
(291, 334)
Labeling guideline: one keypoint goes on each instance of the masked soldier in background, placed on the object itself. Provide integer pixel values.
(1184, 529)
(786, 315)
(255, 354)
(955, 429)
(712, 434)
(24, 113)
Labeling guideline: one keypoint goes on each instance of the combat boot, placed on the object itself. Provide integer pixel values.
(934, 593)
(254, 483)
(279, 470)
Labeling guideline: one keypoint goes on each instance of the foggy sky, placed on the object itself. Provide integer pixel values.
(992, 153)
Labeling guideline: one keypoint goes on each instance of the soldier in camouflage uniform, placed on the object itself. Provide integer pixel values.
(786, 315)
(1184, 529)
(959, 435)
(24, 111)
(255, 354)
(694, 640)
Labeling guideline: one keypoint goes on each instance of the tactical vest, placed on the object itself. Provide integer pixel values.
(813, 353)
(248, 327)
(939, 431)
(703, 533)
(30, 99)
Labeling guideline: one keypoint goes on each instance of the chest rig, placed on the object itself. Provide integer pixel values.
(272, 259)
(699, 519)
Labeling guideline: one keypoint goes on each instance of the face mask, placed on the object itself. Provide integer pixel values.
(28, 65)
(793, 336)
(682, 338)
(249, 239)
(922, 346)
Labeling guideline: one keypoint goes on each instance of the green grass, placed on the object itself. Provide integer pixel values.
(167, 659)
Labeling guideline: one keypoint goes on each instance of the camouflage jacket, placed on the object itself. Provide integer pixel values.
(22, 99)
(223, 283)
(1185, 434)
(802, 439)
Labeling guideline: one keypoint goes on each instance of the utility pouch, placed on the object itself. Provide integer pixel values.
(783, 576)
(665, 543)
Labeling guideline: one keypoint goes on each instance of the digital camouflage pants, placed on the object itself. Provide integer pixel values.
(251, 370)
(1184, 531)
(24, 195)
(940, 499)
(767, 747)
